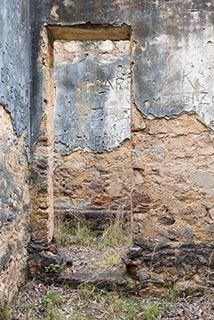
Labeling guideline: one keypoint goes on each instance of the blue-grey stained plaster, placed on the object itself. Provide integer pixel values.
(160, 29)
(14, 61)
(90, 111)
(173, 71)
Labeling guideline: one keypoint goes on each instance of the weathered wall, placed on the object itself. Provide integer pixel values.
(92, 114)
(15, 128)
(167, 85)
(14, 208)
(92, 186)
(42, 215)
(14, 62)
(92, 95)
(173, 165)
(172, 87)
(173, 197)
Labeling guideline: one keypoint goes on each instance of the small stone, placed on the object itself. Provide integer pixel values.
(134, 251)
(114, 280)
(167, 221)
(211, 212)
(37, 246)
(188, 233)
(143, 275)
(67, 258)
(105, 46)
(48, 258)
(157, 279)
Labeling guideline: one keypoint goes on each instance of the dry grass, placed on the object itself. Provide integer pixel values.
(114, 235)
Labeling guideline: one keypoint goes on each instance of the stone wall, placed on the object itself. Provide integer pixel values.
(14, 154)
(171, 132)
(148, 152)
(14, 208)
(174, 188)
(93, 187)
(173, 197)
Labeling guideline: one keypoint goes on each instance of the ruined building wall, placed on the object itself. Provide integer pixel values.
(173, 204)
(171, 130)
(14, 127)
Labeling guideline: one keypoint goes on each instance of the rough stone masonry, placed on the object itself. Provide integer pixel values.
(157, 162)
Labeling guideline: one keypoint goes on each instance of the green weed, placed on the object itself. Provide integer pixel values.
(50, 305)
(111, 259)
(62, 235)
(151, 310)
(5, 311)
(52, 268)
(115, 235)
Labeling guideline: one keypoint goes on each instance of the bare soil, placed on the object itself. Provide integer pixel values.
(88, 303)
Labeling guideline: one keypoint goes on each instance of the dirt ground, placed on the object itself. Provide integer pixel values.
(36, 302)
(50, 302)
(39, 301)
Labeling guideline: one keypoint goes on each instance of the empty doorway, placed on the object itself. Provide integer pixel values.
(92, 111)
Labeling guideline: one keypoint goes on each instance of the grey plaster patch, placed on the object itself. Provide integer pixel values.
(14, 61)
(178, 20)
(174, 75)
(92, 95)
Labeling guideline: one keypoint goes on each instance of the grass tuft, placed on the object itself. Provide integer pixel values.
(113, 236)
(50, 305)
(82, 235)
(111, 259)
(5, 311)
(151, 310)
(67, 235)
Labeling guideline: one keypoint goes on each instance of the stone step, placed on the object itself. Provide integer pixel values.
(112, 280)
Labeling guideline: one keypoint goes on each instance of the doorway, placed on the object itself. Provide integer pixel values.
(92, 148)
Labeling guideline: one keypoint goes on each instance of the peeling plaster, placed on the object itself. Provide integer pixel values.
(92, 104)
(14, 62)
(54, 14)
(180, 79)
